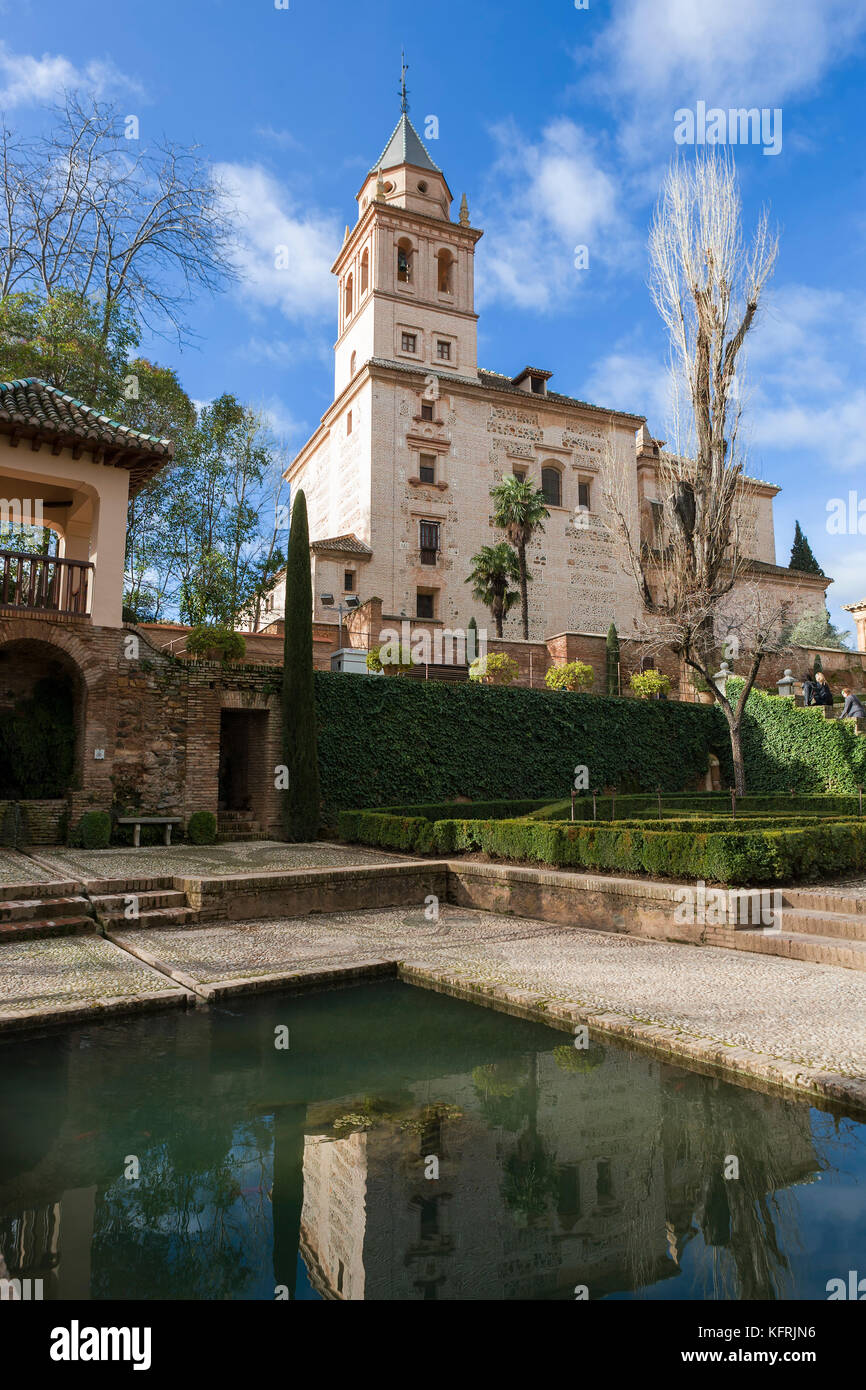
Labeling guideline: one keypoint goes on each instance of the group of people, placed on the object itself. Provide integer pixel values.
(816, 691)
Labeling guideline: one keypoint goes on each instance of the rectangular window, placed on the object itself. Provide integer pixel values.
(583, 495)
(348, 581)
(428, 468)
(424, 603)
(426, 410)
(410, 342)
(429, 541)
(443, 350)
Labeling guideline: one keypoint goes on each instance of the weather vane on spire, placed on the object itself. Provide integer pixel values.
(404, 95)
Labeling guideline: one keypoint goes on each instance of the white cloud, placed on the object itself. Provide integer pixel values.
(28, 81)
(271, 226)
(663, 54)
(544, 200)
(633, 381)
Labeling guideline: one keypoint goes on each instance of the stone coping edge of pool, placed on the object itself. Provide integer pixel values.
(759, 1069)
(92, 1011)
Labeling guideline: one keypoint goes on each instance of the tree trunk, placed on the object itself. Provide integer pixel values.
(524, 590)
(737, 756)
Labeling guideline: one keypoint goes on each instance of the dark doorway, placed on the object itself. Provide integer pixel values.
(242, 779)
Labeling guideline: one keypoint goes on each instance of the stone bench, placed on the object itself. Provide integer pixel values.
(139, 821)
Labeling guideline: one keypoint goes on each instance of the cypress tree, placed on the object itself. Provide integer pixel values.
(472, 641)
(612, 657)
(801, 554)
(300, 753)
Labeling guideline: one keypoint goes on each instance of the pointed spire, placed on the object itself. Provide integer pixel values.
(464, 212)
(380, 186)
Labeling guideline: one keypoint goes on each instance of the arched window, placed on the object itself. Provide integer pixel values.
(350, 288)
(445, 275)
(551, 486)
(353, 363)
(404, 262)
(365, 272)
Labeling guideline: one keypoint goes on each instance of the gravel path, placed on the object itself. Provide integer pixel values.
(814, 1015)
(210, 861)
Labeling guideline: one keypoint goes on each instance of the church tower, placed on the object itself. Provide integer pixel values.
(406, 271)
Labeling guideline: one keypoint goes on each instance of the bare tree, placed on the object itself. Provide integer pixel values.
(86, 209)
(707, 288)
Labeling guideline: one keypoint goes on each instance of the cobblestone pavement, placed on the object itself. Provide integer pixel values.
(17, 868)
(40, 979)
(212, 861)
(813, 1015)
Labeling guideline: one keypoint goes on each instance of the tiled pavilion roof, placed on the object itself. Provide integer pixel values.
(34, 410)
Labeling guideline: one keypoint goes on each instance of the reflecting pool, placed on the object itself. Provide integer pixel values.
(387, 1142)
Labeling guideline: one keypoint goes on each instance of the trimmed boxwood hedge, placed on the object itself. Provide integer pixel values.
(745, 855)
(785, 745)
(702, 803)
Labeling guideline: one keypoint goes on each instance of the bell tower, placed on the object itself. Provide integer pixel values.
(406, 271)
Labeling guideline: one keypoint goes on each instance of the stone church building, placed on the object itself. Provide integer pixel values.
(398, 475)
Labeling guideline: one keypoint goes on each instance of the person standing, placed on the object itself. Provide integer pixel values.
(852, 708)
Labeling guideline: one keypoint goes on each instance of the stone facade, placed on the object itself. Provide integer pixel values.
(398, 475)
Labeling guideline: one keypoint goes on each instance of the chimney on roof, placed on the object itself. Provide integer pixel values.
(532, 379)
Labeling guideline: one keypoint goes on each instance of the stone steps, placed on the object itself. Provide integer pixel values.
(799, 921)
(820, 950)
(159, 907)
(36, 928)
(157, 917)
(225, 837)
(824, 900)
(33, 908)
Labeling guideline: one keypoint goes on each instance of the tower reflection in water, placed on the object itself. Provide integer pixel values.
(405, 1146)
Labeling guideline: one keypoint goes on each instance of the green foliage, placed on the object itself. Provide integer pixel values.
(496, 668)
(787, 746)
(388, 743)
(37, 743)
(202, 641)
(816, 630)
(519, 510)
(301, 799)
(646, 684)
(396, 659)
(801, 554)
(494, 569)
(574, 675)
(723, 853)
(93, 831)
(202, 828)
(69, 340)
(14, 832)
(612, 660)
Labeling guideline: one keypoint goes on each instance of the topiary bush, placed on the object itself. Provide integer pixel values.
(646, 684)
(215, 643)
(93, 831)
(574, 675)
(396, 660)
(202, 828)
(497, 668)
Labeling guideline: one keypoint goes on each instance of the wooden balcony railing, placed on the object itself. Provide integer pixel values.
(44, 584)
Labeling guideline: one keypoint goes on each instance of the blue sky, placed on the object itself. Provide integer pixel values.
(558, 123)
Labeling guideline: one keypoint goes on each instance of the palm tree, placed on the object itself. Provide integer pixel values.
(494, 568)
(520, 511)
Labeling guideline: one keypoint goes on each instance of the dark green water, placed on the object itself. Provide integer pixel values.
(557, 1168)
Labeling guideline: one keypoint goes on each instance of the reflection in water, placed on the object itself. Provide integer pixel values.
(406, 1146)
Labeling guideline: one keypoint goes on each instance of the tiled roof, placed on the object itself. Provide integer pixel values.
(495, 381)
(405, 147)
(342, 545)
(33, 409)
(759, 482)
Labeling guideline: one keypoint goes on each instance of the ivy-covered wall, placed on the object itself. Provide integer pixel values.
(386, 740)
(787, 746)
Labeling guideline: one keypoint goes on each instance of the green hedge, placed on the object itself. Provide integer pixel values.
(478, 810)
(745, 855)
(785, 745)
(391, 742)
(704, 803)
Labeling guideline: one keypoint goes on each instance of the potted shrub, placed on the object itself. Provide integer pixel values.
(574, 675)
(649, 684)
(497, 668)
(702, 690)
(215, 643)
(388, 666)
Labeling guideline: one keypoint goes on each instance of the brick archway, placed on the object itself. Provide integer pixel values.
(55, 635)
(28, 655)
